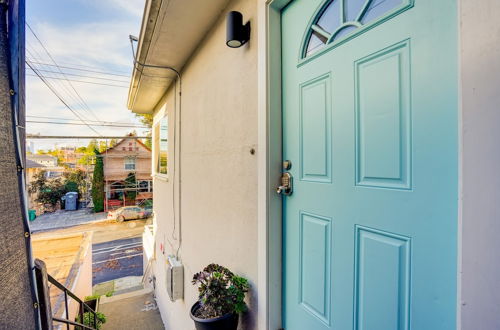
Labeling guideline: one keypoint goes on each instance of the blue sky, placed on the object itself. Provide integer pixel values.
(89, 35)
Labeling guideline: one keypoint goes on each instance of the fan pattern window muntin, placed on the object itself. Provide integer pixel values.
(338, 19)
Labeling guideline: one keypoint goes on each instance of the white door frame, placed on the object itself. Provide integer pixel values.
(269, 254)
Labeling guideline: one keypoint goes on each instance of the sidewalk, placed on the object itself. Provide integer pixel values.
(64, 219)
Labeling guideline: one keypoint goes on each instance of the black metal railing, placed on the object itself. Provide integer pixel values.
(47, 319)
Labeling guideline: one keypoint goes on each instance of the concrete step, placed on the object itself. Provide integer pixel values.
(125, 295)
(119, 286)
(136, 310)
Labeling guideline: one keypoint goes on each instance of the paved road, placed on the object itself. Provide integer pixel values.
(115, 259)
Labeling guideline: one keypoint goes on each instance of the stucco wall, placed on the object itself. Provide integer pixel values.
(480, 72)
(218, 170)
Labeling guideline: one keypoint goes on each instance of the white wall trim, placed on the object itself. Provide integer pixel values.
(269, 165)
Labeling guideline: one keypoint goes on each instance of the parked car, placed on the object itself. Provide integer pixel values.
(146, 213)
(129, 213)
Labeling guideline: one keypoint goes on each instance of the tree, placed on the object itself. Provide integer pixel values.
(131, 183)
(98, 183)
(112, 143)
(48, 191)
(77, 180)
(147, 120)
(71, 186)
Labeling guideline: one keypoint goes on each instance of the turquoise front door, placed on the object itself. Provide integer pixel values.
(370, 121)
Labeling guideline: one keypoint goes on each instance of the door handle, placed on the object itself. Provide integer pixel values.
(286, 187)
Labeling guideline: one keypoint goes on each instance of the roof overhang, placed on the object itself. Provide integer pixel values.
(170, 32)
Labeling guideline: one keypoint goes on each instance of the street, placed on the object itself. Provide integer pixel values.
(115, 259)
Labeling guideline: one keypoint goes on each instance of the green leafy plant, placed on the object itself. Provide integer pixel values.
(92, 297)
(88, 319)
(49, 191)
(98, 183)
(220, 292)
(131, 182)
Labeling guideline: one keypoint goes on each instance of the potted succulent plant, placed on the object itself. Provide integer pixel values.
(221, 298)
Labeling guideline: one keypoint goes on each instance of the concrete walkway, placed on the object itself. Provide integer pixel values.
(132, 311)
(63, 219)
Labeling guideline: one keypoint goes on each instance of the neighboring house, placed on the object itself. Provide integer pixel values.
(46, 160)
(32, 169)
(69, 156)
(128, 156)
(51, 168)
(384, 113)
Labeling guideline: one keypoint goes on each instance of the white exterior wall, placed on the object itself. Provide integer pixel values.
(218, 171)
(480, 215)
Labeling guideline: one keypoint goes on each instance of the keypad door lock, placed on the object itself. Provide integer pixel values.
(286, 187)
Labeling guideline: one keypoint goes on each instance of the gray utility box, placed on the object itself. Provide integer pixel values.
(175, 278)
(71, 201)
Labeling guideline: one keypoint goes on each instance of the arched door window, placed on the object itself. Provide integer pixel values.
(338, 19)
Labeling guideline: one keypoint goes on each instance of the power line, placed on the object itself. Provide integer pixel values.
(84, 76)
(50, 56)
(92, 67)
(35, 136)
(59, 97)
(104, 122)
(63, 86)
(77, 69)
(80, 81)
(60, 123)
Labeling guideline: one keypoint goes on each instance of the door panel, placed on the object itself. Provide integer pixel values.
(370, 128)
(383, 133)
(315, 130)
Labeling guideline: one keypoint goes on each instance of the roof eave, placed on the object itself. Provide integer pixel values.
(149, 20)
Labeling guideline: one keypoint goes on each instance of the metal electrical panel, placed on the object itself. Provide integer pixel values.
(175, 278)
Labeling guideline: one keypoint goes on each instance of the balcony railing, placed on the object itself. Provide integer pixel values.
(47, 319)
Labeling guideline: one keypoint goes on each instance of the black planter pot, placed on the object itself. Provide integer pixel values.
(226, 322)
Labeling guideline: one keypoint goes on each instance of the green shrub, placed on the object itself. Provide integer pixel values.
(98, 183)
(88, 319)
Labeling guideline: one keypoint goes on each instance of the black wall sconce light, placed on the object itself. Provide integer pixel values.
(237, 34)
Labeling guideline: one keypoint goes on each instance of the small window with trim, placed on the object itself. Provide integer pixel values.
(161, 146)
(130, 163)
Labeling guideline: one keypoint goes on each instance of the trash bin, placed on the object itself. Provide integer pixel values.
(32, 215)
(70, 201)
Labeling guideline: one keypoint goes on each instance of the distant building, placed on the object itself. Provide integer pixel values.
(69, 156)
(128, 156)
(32, 168)
(46, 160)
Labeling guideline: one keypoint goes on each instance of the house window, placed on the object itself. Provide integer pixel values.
(161, 145)
(338, 19)
(130, 163)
